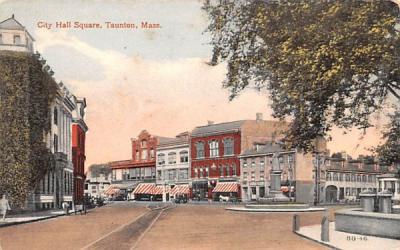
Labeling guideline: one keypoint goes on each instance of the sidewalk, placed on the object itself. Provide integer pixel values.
(16, 219)
(342, 240)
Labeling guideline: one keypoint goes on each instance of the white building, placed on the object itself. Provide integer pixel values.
(172, 163)
(97, 184)
(14, 36)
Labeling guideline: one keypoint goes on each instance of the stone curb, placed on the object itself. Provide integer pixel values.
(317, 241)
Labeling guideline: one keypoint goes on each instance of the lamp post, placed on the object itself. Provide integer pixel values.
(316, 177)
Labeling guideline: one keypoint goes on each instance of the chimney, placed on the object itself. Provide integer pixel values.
(210, 122)
(259, 117)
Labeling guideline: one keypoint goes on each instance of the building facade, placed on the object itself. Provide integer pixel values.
(79, 129)
(215, 150)
(172, 163)
(14, 36)
(344, 179)
(57, 185)
(96, 185)
(141, 167)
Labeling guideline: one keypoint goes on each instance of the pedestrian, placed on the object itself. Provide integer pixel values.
(4, 206)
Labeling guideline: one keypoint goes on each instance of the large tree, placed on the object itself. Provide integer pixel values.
(324, 63)
(389, 151)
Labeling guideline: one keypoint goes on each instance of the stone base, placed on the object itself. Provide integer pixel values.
(368, 223)
(274, 197)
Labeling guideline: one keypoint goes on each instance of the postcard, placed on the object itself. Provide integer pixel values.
(199, 124)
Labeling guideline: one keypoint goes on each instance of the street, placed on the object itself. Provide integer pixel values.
(133, 225)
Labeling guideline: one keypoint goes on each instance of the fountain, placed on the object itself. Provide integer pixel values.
(376, 216)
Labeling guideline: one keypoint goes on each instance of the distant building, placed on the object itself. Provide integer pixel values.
(343, 179)
(97, 183)
(172, 165)
(14, 36)
(296, 177)
(141, 167)
(215, 150)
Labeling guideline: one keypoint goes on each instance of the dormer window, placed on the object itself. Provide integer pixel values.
(17, 39)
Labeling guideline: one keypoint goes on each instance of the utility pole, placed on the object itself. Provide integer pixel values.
(316, 178)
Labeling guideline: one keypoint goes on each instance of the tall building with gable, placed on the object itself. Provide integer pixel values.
(14, 36)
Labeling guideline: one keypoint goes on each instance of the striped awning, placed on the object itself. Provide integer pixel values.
(160, 190)
(112, 190)
(285, 189)
(226, 187)
(180, 189)
(145, 188)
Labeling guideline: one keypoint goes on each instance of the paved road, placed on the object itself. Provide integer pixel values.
(138, 226)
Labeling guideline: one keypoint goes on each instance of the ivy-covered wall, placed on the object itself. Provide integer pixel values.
(26, 93)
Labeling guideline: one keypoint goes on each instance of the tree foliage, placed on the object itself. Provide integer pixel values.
(389, 151)
(25, 95)
(97, 169)
(324, 63)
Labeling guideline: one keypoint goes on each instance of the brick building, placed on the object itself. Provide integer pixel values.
(142, 165)
(215, 150)
(79, 129)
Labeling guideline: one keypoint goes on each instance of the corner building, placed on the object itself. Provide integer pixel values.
(215, 151)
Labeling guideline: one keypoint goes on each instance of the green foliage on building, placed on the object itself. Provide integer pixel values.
(26, 93)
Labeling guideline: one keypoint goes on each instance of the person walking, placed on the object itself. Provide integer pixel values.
(4, 206)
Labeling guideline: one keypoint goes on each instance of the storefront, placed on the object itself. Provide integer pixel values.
(226, 189)
(200, 190)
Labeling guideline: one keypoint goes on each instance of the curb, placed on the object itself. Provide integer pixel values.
(317, 241)
(36, 220)
(29, 221)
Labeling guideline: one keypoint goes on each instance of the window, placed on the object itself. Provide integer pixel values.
(200, 149)
(353, 177)
(280, 158)
(290, 159)
(184, 156)
(137, 155)
(347, 177)
(213, 148)
(262, 164)
(221, 170)
(196, 173)
(143, 143)
(17, 39)
(228, 146)
(171, 174)
(228, 171)
(207, 172)
(244, 163)
(328, 176)
(144, 154)
(234, 170)
(159, 174)
(253, 163)
(55, 116)
(335, 177)
(172, 158)
(183, 174)
(358, 178)
(253, 176)
(262, 175)
(201, 173)
(161, 159)
(364, 178)
(245, 176)
(55, 143)
(369, 178)
(151, 153)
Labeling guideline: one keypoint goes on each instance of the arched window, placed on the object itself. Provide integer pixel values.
(143, 143)
(200, 149)
(184, 156)
(55, 116)
(214, 148)
(172, 158)
(161, 159)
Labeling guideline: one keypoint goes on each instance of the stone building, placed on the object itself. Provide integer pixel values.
(97, 183)
(215, 150)
(172, 163)
(14, 36)
(65, 110)
(344, 179)
(296, 177)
